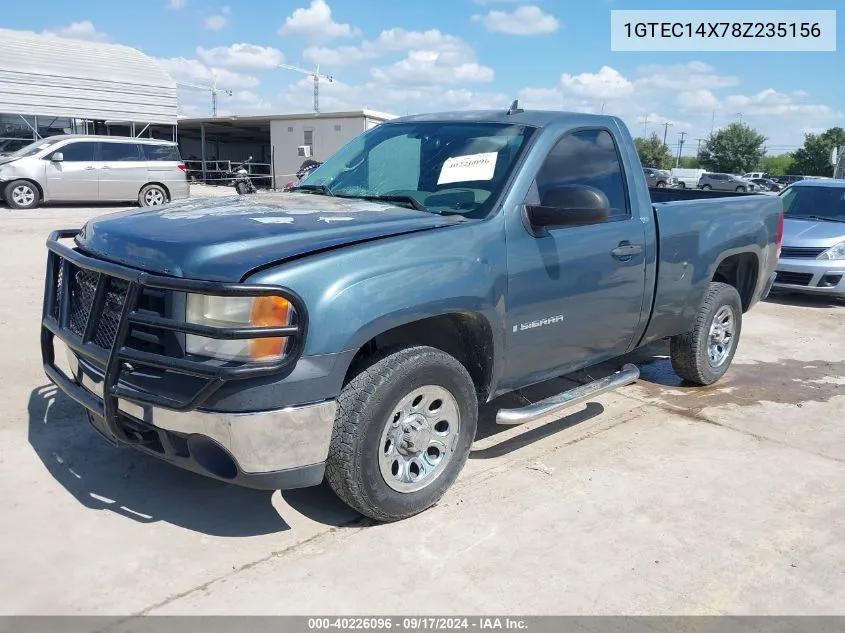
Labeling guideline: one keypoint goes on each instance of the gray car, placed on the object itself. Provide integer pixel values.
(659, 177)
(85, 168)
(812, 259)
(724, 182)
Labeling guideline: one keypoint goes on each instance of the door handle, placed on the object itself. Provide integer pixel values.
(626, 251)
(89, 168)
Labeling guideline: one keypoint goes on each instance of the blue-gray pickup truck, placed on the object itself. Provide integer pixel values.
(349, 329)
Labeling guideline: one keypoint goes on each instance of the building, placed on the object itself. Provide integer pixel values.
(54, 85)
(275, 142)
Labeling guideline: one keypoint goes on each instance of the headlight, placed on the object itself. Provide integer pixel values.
(834, 252)
(238, 312)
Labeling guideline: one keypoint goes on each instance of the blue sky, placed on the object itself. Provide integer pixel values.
(403, 56)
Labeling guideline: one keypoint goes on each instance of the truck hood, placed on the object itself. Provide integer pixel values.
(223, 239)
(812, 233)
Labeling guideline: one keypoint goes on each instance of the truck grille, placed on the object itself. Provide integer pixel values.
(82, 286)
(800, 252)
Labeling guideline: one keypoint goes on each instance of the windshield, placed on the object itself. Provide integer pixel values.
(32, 148)
(441, 167)
(822, 203)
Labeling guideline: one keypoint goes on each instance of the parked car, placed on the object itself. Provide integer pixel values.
(659, 177)
(687, 178)
(724, 182)
(87, 168)
(766, 184)
(350, 329)
(754, 175)
(789, 179)
(813, 255)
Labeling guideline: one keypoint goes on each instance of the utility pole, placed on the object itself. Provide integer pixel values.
(680, 148)
(645, 126)
(712, 123)
(739, 116)
(698, 149)
(666, 127)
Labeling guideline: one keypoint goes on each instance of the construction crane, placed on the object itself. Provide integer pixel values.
(213, 89)
(316, 76)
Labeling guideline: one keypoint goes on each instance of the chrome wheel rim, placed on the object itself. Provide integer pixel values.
(722, 336)
(418, 439)
(23, 195)
(154, 197)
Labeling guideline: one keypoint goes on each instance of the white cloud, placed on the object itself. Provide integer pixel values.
(692, 76)
(218, 21)
(771, 103)
(176, 5)
(241, 56)
(702, 100)
(340, 56)
(524, 20)
(426, 67)
(194, 71)
(315, 24)
(607, 83)
(254, 102)
(84, 30)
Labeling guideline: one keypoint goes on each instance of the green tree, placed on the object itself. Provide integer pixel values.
(689, 162)
(778, 165)
(734, 149)
(814, 158)
(653, 153)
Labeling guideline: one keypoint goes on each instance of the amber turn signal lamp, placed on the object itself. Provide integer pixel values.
(269, 312)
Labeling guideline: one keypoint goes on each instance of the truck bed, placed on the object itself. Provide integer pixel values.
(699, 231)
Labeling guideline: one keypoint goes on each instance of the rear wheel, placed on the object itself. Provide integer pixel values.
(403, 431)
(661, 184)
(703, 355)
(682, 185)
(741, 189)
(706, 187)
(22, 194)
(152, 196)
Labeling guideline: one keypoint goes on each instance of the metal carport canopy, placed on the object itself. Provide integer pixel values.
(55, 76)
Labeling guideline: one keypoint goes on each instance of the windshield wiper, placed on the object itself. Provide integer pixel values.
(819, 218)
(410, 200)
(321, 189)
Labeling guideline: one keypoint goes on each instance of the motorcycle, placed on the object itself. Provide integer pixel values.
(242, 182)
(306, 168)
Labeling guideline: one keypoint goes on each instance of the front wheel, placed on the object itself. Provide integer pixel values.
(402, 434)
(661, 185)
(22, 194)
(703, 355)
(682, 185)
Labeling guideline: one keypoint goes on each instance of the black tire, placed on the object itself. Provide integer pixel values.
(661, 185)
(741, 189)
(366, 407)
(682, 185)
(241, 188)
(22, 194)
(706, 187)
(690, 352)
(153, 196)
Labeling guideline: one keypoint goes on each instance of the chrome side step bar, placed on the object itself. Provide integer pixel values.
(557, 403)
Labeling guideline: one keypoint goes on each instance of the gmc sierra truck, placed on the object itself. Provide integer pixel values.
(348, 330)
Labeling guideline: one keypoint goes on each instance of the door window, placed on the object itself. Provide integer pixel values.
(117, 152)
(587, 157)
(81, 152)
(161, 152)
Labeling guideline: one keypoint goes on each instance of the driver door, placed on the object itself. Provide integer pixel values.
(574, 297)
(75, 177)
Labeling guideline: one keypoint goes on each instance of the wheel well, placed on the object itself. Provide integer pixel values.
(160, 184)
(466, 336)
(740, 271)
(32, 182)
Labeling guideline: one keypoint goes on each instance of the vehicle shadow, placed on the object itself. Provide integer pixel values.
(145, 489)
(803, 300)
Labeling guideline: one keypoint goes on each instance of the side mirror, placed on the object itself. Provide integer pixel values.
(569, 205)
(57, 157)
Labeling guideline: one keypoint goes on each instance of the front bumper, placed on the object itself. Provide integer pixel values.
(811, 276)
(283, 448)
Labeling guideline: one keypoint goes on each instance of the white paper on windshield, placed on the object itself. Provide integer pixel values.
(468, 168)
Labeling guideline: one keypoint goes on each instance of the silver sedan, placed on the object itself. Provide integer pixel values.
(813, 254)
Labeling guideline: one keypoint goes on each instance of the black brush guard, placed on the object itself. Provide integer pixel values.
(101, 339)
